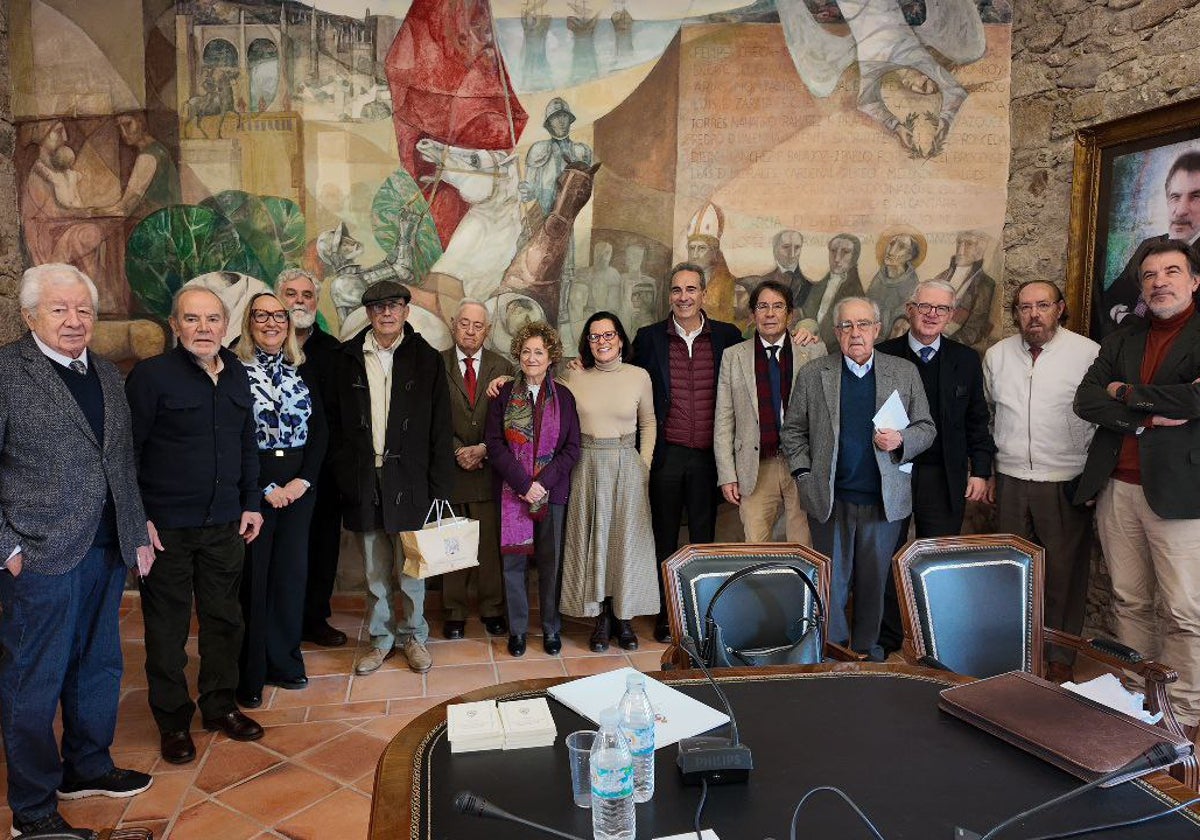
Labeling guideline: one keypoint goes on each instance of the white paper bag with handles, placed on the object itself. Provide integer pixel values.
(446, 543)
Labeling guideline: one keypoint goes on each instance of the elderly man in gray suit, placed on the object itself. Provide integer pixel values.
(71, 522)
(753, 389)
(854, 479)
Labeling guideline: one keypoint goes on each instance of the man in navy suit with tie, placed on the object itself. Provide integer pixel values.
(956, 467)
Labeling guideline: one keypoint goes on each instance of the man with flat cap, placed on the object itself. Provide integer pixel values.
(391, 444)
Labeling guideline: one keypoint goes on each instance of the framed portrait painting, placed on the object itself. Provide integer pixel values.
(1136, 181)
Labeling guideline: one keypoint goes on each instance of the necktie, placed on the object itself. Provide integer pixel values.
(1035, 352)
(79, 367)
(469, 378)
(926, 354)
(776, 387)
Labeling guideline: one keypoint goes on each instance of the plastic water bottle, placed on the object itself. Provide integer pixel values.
(612, 781)
(637, 725)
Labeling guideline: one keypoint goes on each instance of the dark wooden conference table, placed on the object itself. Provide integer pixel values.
(874, 731)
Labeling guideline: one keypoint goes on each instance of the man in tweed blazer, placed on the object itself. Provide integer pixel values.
(849, 473)
(751, 468)
(71, 523)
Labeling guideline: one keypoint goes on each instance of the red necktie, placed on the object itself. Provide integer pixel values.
(1033, 351)
(469, 378)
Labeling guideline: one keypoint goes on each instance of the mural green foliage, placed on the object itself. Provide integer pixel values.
(175, 244)
(271, 230)
(396, 197)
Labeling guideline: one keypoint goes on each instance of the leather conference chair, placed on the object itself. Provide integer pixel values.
(756, 611)
(973, 605)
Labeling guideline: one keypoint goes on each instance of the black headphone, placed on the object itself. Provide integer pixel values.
(815, 623)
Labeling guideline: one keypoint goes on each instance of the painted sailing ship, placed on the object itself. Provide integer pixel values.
(583, 22)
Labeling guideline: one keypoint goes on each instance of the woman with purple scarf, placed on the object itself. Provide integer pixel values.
(533, 442)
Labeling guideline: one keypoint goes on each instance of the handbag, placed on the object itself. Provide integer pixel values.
(445, 543)
(792, 650)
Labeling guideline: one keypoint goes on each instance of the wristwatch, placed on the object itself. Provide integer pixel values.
(1122, 392)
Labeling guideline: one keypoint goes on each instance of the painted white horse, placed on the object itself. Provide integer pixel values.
(485, 241)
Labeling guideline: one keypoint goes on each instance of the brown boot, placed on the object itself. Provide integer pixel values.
(599, 640)
(626, 638)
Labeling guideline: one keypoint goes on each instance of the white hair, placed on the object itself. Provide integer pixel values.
(35, 279)
(837, 309)
(938, 285)
(472, 302)
(198, 287)
(290, 274)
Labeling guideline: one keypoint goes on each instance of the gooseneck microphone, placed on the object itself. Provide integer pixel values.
(474, 805)
(1160, 755)
(709, 759)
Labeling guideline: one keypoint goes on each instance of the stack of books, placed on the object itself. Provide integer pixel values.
(514, 725)
(472, 727)
(527, 723)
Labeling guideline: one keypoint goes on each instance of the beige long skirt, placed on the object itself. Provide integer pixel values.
(609, 550)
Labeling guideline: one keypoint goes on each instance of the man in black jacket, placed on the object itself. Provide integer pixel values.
(391, 445)
(683, 357)
(300, 292)
(953, 378)
(193, 433)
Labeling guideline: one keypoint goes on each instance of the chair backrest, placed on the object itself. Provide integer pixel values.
(972, 603)
(758, 611)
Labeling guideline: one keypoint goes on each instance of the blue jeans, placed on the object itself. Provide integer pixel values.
(383, 556)
(61, 643)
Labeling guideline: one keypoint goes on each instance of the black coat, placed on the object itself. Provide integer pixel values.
(963, 422)
(419, 462)
(651, 352)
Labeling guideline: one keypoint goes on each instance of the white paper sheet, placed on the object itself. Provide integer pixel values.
(891, 415)
(677, 715)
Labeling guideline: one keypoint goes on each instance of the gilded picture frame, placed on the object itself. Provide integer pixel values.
(1119, 201)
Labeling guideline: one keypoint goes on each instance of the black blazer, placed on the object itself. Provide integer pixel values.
(1169, 456)
(650, 352)
(963, 422)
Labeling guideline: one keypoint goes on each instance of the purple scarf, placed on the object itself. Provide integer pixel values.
(531, 432)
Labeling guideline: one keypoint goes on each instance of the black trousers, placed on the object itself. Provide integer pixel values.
(324, 546)
(273, 582)
(547, 556)
(206, 561)
(684, 478)
(934, 517)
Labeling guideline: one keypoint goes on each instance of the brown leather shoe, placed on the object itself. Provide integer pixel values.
(177, 747)
(236, 725)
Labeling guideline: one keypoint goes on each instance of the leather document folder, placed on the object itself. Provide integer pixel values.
(1081, 736)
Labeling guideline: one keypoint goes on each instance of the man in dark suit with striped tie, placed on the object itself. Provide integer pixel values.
(469, 369)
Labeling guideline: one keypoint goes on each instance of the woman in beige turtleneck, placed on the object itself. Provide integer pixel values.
(609, 569)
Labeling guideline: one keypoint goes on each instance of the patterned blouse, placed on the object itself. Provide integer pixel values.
(282, 402)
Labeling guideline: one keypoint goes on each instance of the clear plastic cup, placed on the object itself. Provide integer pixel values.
(579, 746)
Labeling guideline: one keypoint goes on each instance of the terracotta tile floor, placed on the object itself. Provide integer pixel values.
(310, 777)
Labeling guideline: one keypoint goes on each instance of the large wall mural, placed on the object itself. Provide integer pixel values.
(549, 157)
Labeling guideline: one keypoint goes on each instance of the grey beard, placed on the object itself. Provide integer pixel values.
(302, 319)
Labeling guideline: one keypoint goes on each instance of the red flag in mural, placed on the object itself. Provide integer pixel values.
(449, 83)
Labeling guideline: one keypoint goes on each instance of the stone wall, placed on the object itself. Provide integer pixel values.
(1076, 63)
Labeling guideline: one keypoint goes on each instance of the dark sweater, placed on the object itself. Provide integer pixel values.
(931, 373)
(194, 441)
(856, 476)
(90, 396)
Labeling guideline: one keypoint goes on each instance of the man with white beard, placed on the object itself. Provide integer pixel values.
(300, 292)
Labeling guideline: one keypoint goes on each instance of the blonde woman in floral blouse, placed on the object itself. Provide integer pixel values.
(291, 435)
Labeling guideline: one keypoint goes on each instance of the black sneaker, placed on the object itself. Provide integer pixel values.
(51, 825)
(115, 784)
